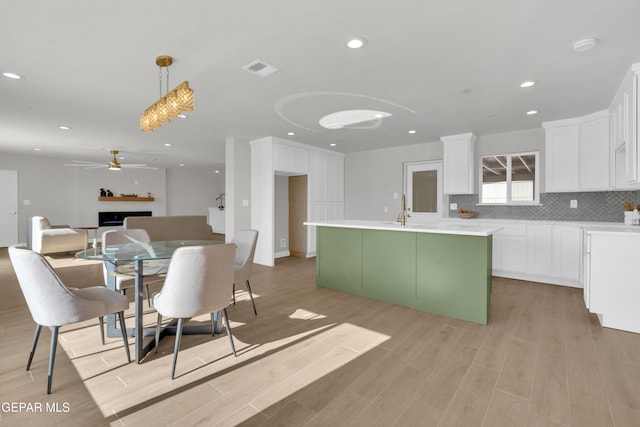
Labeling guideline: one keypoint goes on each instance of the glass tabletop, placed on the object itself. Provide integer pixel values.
(141, 250)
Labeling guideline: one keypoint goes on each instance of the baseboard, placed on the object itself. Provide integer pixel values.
(281, 254)
(540, 279)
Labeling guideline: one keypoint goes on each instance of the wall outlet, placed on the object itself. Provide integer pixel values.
(283, 243)
(573, 204)
(453, 206)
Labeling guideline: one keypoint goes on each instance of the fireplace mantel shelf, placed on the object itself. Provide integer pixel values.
(125, 199)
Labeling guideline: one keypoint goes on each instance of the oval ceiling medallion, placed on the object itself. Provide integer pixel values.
(360, 119)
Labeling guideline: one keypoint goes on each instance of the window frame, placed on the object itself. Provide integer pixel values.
(510, 202)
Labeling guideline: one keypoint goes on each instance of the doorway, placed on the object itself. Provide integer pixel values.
(298, 215)
(423, 190)
(8, 207)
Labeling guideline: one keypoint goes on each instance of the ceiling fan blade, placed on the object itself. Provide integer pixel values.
(138, 166)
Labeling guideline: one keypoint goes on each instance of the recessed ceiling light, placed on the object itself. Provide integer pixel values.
(584, 45)
(64, 127)
(333, 144)
(290, 133)
(357, 43)
(466, 91)
(532, 112)
(412, 131)
(12, 76)
(37, 149)
(181, 164)
(217, 171)
(528, 83)
(182, 116)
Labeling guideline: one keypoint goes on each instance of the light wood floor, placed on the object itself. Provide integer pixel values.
(316, 357)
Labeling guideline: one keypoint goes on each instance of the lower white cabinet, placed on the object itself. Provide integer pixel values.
(548, 253)
(612, 288)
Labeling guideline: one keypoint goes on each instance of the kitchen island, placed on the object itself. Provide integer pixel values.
(441, 268)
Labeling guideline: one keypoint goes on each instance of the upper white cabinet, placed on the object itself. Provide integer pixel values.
(624, 111)
(458, 163)
(577, 154)
(289, 159)
(561, 147)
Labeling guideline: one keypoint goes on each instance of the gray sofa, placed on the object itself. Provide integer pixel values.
(179, 227)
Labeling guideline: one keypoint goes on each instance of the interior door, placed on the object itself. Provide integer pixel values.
(423, 190)
(8, 207)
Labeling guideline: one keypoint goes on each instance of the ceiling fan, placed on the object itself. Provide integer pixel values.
(113, 165)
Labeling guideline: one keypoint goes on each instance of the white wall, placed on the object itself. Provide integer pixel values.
(69, 195)
(237, 186)
(372, 177)
(192, 192)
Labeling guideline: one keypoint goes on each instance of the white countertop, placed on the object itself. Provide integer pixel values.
(441, 227)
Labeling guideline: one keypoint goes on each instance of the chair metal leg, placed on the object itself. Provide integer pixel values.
(233, 294)
(213, 325)
(101, 323)
(177, 346)
(123, 328)
(33, 345)
(251, 296)
(148, 295)
(52, 356)
(226, 325)
(157, 332)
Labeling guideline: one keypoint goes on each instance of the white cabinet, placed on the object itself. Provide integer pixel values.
(539, 249)
(624, 111)
(614, 291)
(325, 183)
(566, 254)
(509, 249)
(594, 152)
(561, 155)
(577, 153)
(458, 163)
(541, 252)
(289, 159)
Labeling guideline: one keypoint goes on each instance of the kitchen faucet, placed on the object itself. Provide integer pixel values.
(404, 214)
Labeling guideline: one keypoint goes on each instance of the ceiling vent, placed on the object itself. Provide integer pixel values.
(260, 68)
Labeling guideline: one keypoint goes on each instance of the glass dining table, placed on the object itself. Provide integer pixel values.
(133, 259)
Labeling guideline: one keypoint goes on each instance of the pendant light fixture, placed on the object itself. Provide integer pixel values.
(170, 105)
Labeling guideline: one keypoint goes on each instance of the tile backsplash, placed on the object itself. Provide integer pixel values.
(592, 207)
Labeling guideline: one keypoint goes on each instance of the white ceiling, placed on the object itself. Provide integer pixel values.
(440, 67)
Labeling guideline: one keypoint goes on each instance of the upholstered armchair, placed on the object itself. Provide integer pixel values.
(44, 238)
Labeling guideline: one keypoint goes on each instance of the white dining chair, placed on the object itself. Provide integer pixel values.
(53, 304)
(245, 241)
(114, 277)
(198, 282)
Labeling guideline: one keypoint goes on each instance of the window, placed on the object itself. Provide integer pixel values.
(510, 179)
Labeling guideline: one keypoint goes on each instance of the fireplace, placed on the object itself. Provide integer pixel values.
(106, 219)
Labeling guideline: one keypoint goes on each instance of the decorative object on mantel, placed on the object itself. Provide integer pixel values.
(103, 193)
(170, 105)
(109, 193)
(220, 200)
(126, 199)
(128, 195)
